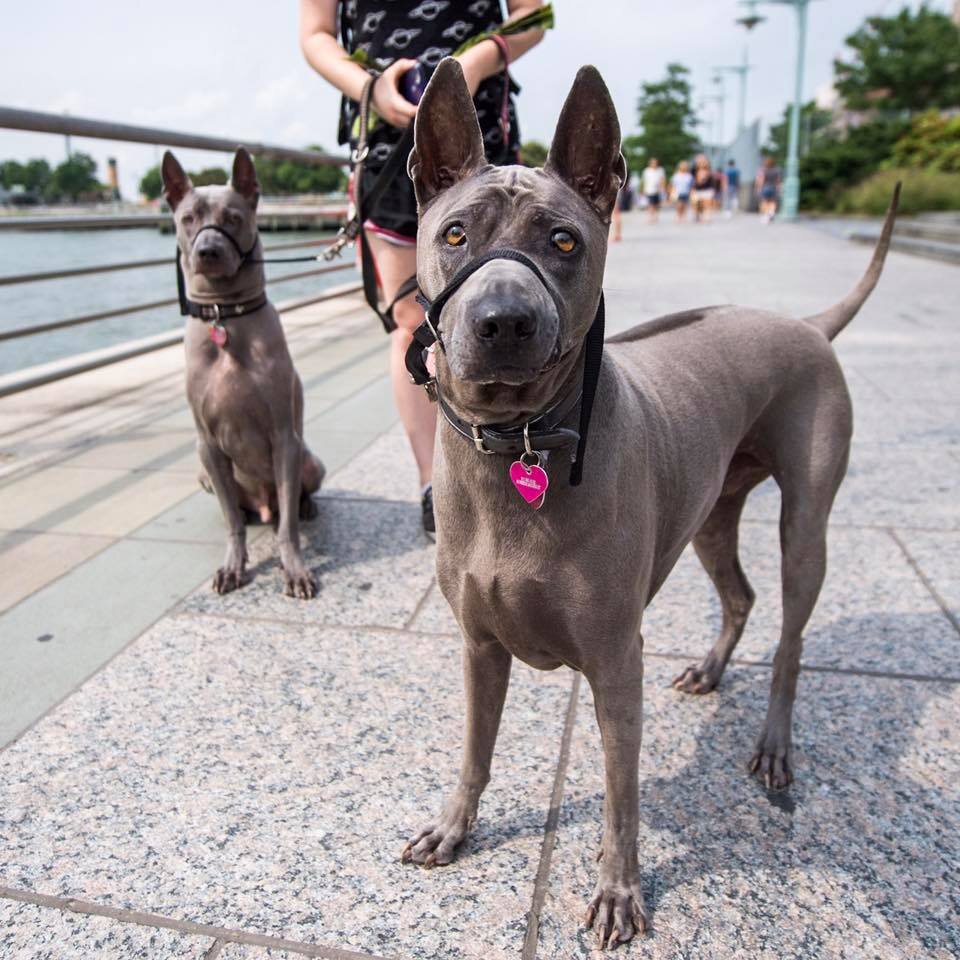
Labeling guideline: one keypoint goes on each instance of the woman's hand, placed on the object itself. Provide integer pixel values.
(388, 101)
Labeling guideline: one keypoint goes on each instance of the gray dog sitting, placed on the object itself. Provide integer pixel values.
(692, 411)
(246, 397)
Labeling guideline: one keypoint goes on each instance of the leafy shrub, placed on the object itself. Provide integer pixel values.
(922, 190)
(833, 164)
(933, 141)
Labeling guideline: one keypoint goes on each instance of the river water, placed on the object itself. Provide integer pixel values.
(22, 305)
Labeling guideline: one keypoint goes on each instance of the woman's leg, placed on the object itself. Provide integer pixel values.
(395, 264)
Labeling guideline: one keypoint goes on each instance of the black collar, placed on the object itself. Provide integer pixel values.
(221, 311)
(213, 311)
(543, 431)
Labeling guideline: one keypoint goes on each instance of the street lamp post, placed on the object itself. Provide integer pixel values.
(721, 100)
(791, 183)
(741, 72)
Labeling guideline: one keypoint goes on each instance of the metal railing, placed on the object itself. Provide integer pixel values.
(33, 329)
(15, 119)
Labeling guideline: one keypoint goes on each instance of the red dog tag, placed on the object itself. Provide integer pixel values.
(218, 334)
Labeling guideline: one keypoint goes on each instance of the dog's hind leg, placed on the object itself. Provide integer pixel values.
(807, 489)
(716, 545)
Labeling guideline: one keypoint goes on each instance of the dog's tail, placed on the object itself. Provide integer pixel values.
(832, 321)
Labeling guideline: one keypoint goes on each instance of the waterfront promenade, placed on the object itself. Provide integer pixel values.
(184, 775)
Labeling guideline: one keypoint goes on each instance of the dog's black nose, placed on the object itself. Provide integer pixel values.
(208, 253)
(503, 324)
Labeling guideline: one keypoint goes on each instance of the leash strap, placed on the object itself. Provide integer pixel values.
(593, 357)
(366, 202)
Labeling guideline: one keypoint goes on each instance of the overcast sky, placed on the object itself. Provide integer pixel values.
(235, 69)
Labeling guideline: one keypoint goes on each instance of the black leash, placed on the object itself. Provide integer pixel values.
(543, 431)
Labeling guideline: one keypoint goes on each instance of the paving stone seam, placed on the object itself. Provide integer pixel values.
(156, 920)
(931, 589)
(216, 948)
(532, 936)
(654, 654)
(847, 525)
(409, 622)
(818, 668)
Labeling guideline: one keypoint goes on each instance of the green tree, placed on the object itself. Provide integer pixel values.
(533, 153)
(73, 177)
(908, 62)
(835, 163)
(813, 124)
(12, 172)
(151, 183)
(210, 176)
(292, 176)
(634, 153)
(37, 175)
(666, 118)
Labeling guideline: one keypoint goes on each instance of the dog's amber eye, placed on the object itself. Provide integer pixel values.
(562, 240)
(455, 235)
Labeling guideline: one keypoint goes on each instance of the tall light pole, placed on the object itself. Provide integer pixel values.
(791, 183)
(721, 100)
(741, 72)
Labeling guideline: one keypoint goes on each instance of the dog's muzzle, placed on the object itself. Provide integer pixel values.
(429, 333)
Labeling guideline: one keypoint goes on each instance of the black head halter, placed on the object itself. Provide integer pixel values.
(539, 430)
(217, 311)
(221, 311)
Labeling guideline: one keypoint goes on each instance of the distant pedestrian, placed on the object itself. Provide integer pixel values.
(654, 182)
(681, 183)
(731, 196)
(768, 187)
(719, 188)
(703, 192)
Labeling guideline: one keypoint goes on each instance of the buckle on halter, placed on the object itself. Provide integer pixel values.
(359, 154)
(478, 440)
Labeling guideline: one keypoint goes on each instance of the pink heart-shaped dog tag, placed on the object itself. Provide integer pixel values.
(218, 335)
(531, 482)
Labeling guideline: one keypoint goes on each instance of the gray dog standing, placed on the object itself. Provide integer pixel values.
(246, 397)
(691, 412)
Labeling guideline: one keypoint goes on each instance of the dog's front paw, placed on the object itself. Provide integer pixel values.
(436, 843)
(616, 912)
(227, 579)
(299, 583)
(771, 762)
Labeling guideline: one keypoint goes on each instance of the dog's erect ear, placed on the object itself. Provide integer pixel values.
(176, 184)
(585, 152)
(243, 179)
(448, 145)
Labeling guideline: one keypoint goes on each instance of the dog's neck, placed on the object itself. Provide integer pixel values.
(246, 284)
